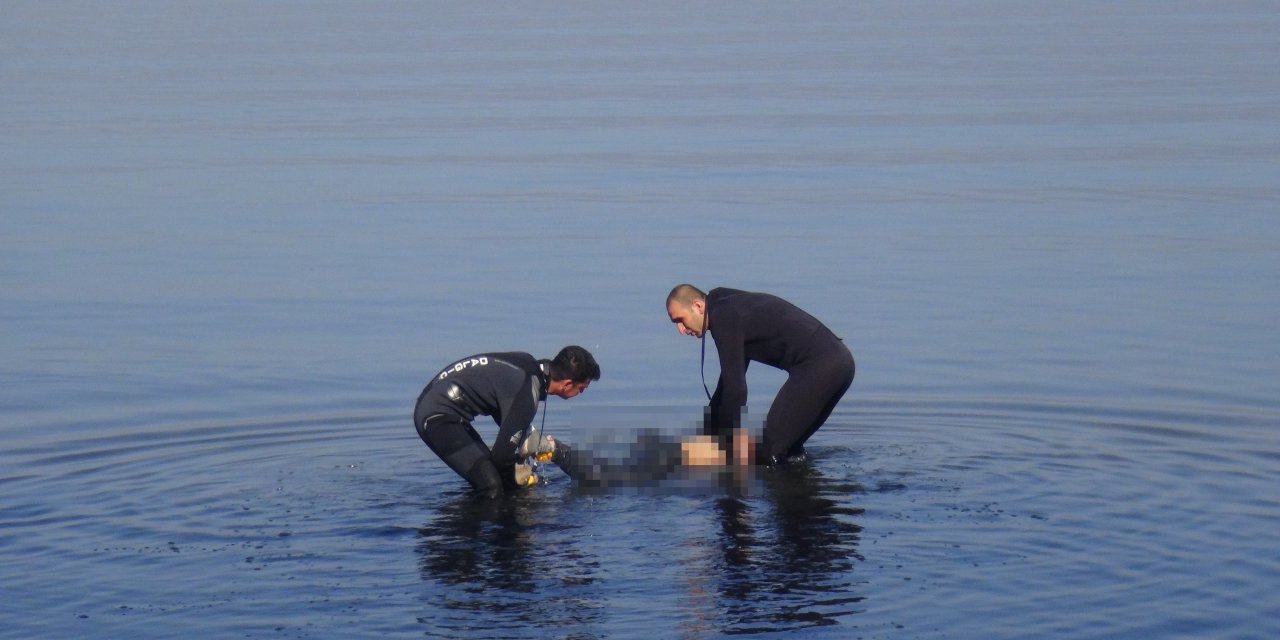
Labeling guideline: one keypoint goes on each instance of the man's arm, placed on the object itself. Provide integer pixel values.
(514, 427)
(731, 391)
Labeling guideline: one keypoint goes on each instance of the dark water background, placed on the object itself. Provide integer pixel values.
(236, 238)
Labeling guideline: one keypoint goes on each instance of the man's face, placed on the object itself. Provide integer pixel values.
(571, 389)
(690, 320)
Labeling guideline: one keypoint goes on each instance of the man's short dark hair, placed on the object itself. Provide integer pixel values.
(574, 364)
(685, 294)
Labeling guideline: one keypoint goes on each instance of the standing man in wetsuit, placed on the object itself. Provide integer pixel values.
(507, 386)
(767, 329)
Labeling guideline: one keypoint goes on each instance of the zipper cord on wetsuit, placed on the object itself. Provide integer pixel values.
(542, 433)
(543, 429)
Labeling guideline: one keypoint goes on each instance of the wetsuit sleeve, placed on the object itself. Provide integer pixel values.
(512, 431)
(731, 391)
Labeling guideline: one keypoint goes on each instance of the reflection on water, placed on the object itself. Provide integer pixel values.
(778, 554)
(232, 243)
(497, 571)
(787, 561)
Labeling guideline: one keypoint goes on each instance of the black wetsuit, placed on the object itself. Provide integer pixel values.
(750, 326)
(507, 386)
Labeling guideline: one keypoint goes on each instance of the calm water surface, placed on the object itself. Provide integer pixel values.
(236, 238)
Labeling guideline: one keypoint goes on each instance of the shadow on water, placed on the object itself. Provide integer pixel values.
(505, 567)
(787, 561)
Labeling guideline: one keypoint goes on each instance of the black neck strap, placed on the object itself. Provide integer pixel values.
(702, 366)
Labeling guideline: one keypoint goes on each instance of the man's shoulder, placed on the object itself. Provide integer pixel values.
(730, 296)
(517, 362)
(723, 294)
(513, 357)
(507, 357)
(491, 363)
(734, 306)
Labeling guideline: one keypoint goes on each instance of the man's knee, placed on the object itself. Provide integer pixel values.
(484, 477)
(455, 442)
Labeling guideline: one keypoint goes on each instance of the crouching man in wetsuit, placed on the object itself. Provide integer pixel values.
(767, 329)
(508, 387)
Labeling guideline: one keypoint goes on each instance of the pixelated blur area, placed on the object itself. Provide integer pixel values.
(651, 449)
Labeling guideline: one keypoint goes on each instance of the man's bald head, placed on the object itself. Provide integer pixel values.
(685, 294)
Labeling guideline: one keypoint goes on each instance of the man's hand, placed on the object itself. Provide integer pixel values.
(524, 475)
(744, 447)
(537, 447)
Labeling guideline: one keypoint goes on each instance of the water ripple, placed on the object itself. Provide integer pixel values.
(903, 501)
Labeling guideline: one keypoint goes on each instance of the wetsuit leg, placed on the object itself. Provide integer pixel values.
(460, 447)
(804, 402)
(835, 398)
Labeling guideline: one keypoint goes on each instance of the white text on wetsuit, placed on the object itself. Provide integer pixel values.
(463, 365)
